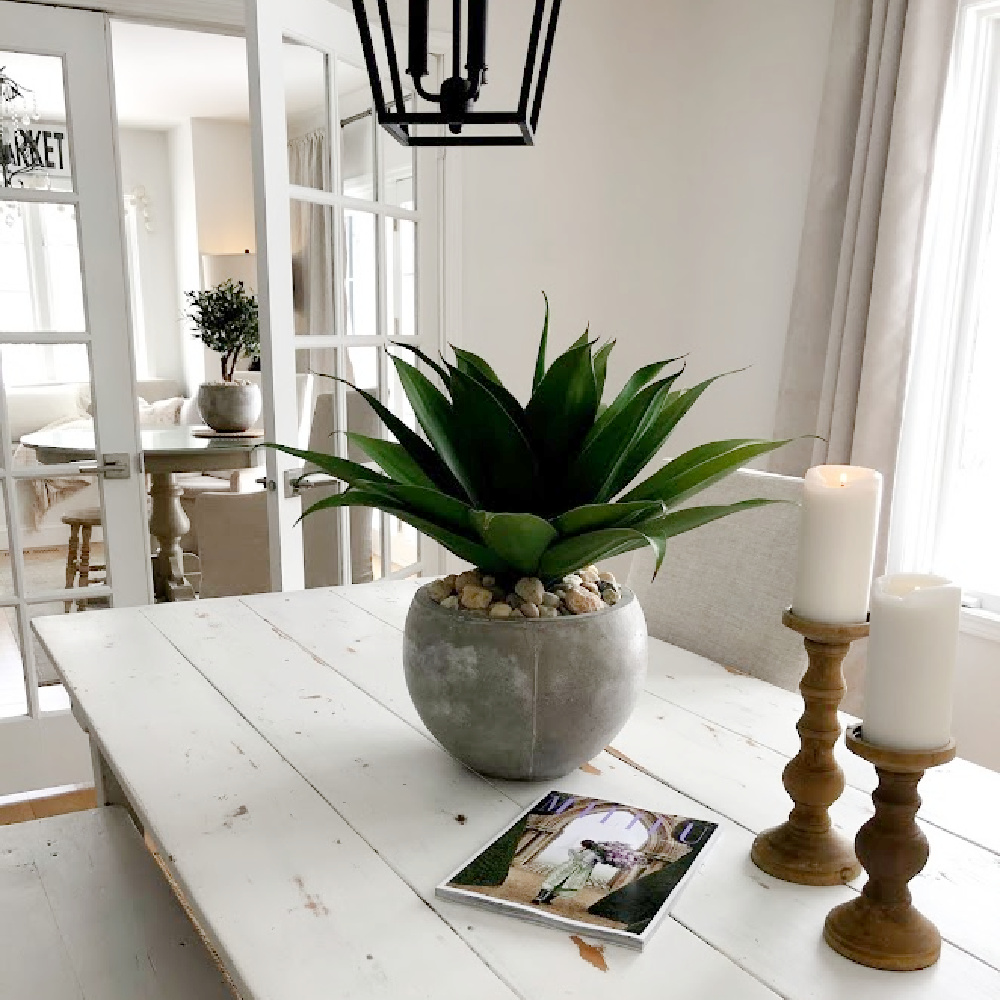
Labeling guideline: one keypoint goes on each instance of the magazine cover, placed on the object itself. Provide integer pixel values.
(602, 868)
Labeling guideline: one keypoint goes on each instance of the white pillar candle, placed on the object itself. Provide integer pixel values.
(840, 506)
(911, 661)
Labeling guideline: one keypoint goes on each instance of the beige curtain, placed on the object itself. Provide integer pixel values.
(845, 364)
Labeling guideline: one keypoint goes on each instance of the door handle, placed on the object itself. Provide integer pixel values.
(113, 466)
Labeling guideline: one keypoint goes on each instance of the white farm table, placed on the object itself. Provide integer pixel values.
(269, 748)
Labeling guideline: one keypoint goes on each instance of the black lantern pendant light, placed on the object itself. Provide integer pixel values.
(459, 91)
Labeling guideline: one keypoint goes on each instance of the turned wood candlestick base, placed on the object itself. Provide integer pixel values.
(881, 928)
(806, 849)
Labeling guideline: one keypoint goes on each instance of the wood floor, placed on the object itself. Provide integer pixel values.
(51, 805)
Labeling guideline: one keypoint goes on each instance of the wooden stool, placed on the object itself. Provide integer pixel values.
(79, 570)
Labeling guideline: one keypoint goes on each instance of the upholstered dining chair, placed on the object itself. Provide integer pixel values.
(722, 588)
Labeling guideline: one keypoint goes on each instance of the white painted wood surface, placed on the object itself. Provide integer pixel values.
(270, 748)
(87, 915)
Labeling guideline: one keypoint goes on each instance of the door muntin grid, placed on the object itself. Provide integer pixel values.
(376, 284)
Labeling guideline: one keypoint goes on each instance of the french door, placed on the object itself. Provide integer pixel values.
(65, 361)
(348, 241)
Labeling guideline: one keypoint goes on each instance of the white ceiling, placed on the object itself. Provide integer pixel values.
(164, 76)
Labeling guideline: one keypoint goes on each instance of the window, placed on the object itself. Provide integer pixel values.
(946, 515)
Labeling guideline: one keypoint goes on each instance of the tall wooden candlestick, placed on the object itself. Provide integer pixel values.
(805, 849)
(881, 928)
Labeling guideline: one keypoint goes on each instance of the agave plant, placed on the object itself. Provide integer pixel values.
(545, 488)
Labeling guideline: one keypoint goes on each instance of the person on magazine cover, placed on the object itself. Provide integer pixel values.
(571, 875)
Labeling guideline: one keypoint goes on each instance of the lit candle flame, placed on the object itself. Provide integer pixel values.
(843, 479)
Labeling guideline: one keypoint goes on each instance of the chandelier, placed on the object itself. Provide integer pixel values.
(459, 92)
(18, 109)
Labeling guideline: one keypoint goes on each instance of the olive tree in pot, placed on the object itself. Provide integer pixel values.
(529, 664)
(225, 320)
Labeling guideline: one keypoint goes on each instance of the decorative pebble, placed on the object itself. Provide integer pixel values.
(592, 587)
(501, 611)
(547, 612)
(489, 581)
(611, 597)
(580, 601)
(470, 578)
(513, 600)
(438, 590)
(451, 602)
(608, 577)
(516, 613)
(589, 574)
(571, 581)
(530, 588)
(529, 609)
(604, 587)
(475, 598)
(550, 600)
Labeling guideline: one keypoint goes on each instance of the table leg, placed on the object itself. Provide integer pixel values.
(168, 523)
(107, 788)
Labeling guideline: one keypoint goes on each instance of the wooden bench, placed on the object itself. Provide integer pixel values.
(85, 914)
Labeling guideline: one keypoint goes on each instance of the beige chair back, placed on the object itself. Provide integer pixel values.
(232, 539)
(723, 587)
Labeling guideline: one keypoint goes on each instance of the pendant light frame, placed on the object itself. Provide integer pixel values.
(397, 120)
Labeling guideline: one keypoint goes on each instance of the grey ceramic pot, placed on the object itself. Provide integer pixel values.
(519, 699)
(229, 406)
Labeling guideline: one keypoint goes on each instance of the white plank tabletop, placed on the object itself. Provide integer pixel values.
(269, 747)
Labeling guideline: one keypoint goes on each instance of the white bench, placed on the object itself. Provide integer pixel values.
(85, 914)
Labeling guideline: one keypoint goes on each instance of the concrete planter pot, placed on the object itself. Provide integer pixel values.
(526, 700)
(229, 407)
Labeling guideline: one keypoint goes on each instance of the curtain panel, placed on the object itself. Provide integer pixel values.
(848, 345)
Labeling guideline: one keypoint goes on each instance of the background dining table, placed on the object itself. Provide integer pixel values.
(268, 747)
(165, 452)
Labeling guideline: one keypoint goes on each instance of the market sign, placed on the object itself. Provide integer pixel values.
(34, 149)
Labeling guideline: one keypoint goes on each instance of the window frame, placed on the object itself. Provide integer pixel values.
(966, 171)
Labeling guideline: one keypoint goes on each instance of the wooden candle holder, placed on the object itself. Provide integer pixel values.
(805, 849)
(881, 928)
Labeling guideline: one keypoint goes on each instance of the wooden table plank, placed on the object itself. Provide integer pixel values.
(347, 745)
(294, 900)
(961, 797)
(239, 668)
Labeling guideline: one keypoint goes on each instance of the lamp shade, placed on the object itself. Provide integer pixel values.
(218, 267)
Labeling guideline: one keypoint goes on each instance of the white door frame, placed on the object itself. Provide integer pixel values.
(49, 748)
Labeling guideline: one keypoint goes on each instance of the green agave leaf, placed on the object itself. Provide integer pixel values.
(562, 409)
(601, 366)
(417, 448)
(665, 526)
(632, 387)
(570, 554)
(594, 516)
(514, 409)
(426, 502)
(393, 459)
(698, 468)
(434, 413)
(596, 462)
(442, 372)
(461, 545)
(496, 454)
(542, 345)
(473, 364)
(519, 539)
(650, 438)
(344, 469)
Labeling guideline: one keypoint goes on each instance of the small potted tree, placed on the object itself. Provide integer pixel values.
(530, 662)
(225, 319)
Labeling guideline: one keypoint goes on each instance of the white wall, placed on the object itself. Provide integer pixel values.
(223, 186)
(977, 693)
(664, 201)
(145, 163)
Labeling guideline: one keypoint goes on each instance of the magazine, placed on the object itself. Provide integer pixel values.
(607, 870)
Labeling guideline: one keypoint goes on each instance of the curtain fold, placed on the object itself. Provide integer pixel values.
(847, 351)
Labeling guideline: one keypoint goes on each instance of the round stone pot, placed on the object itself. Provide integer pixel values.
(229, 407)
(527, 700)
